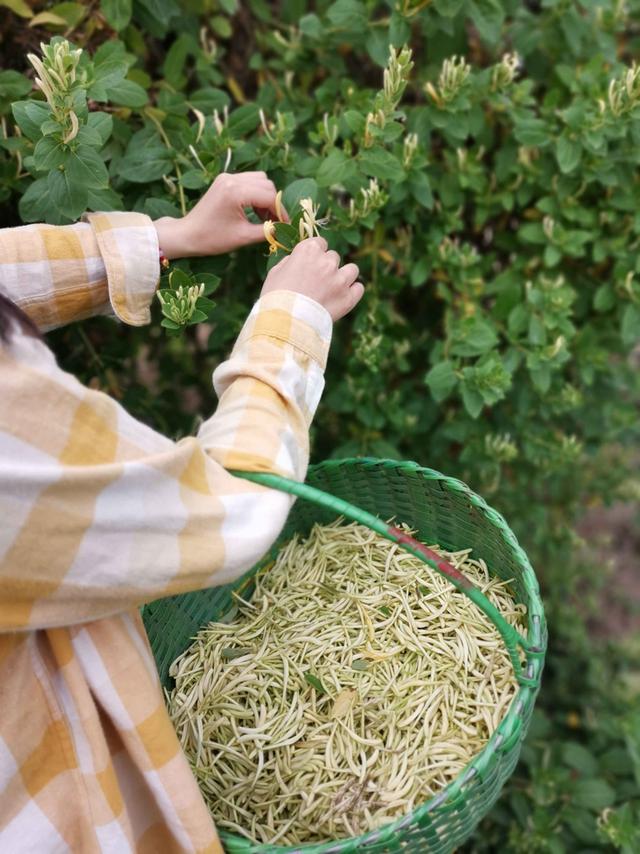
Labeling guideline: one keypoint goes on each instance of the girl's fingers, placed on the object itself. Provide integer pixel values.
(354, 295)
(261, 196)
(349, 273)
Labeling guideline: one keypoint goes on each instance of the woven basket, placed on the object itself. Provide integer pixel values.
(442, 510)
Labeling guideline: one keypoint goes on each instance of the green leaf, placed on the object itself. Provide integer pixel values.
(19, 7)
(379, 163)
(179, 278)
(127, 94)
(311, 26)
(441, 379)
(335, 169)
(568, 154)
(286, 234)
(117, 13)
(110, 66)
(35, 204)
(541, 378)
(197, 317)
(70, 12)
(421, 189)
(13, 85)
(578, 757)
(552, 255)
(88, 136)
(49, 153)
(531, 131)
(377, 45)
(472, 400)
(86, 166)
(156, 208)
(29, 116)
(169, 324)
(360, 664)
(630, 328)
(605, 298)
(176, 58)
(315, 683)
(631, 726)
(209, 99)
(355, 121)
(303, 188)
(194, 179)
(210, 282)
(537, 333)
(348, 15)
(145, 163)
(488, 16)
(103, 199)
(594, 794)
(69, 196)
(474, 337)
(102, 123)
(399, 30)
(221, 26)
(243, 120)
(532, 232)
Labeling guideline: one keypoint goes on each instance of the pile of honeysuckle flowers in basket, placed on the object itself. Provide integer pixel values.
(353, 686)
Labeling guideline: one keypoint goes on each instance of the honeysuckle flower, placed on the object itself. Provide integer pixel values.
(269, 229)
(409, 149)
(201, 120)
(75, 127)
(505, 71)
(452, 77)
(624, 91)
(308, 225)
(279, 205)
(371, 198)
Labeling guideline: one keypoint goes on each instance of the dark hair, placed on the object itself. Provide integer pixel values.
(11, 316)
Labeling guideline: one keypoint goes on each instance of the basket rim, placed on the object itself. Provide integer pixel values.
(510, 731)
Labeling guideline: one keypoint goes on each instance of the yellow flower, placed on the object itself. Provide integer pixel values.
(279, 205)
(269, 235)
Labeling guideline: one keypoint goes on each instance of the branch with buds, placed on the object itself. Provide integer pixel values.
(57, 79)
(184, 300)
(451, 80)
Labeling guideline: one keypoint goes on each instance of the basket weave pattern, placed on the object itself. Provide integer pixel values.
(444, 511)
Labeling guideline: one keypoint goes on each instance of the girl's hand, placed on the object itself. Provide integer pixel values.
(315, 272)
(218, 222)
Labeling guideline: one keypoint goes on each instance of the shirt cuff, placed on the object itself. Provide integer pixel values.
(294, 319)
(128, 243)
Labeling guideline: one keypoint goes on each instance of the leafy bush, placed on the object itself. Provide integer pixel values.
(490, 197)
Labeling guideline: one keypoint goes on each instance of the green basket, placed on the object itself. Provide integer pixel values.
(442, 510)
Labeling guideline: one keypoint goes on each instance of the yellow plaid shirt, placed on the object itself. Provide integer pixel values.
(99, 514)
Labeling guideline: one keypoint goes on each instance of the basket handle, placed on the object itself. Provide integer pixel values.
(511, 637)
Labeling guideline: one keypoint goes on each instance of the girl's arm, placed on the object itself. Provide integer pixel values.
(61, 273)
(100, 513)
(109, 263)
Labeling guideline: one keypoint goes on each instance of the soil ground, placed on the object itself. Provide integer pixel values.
(615, 534)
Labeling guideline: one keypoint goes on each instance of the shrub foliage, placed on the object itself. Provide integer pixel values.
(479, 161)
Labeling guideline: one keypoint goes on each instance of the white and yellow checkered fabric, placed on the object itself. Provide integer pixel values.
(98, 514)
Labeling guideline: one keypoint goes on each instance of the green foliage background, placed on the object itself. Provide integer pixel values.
(502, 272)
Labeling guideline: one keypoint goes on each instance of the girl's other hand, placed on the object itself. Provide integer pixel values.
(315, 271)
(218, 222)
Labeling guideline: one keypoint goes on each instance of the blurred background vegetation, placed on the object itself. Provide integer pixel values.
(490, 195)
